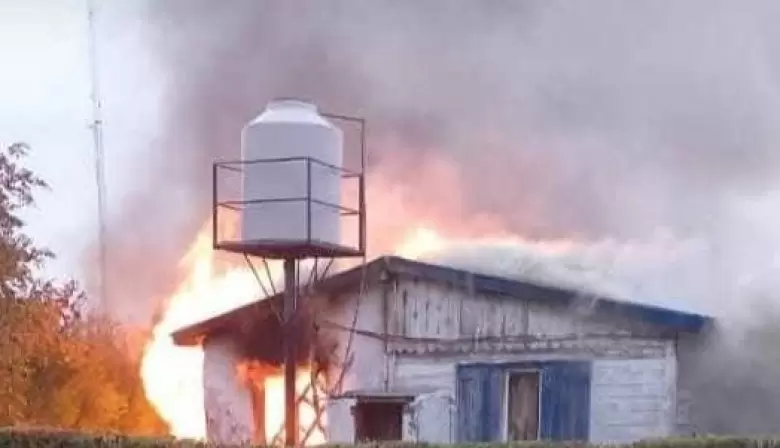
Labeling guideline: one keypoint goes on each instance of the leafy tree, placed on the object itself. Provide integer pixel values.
(18, 255)
(59, 367)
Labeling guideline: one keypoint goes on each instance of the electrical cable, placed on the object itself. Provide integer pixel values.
(348, 357)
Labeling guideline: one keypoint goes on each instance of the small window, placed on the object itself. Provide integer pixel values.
(377, 421)
(522, 406)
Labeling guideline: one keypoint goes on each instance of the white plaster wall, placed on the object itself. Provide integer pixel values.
(370, 367)
(424, 373)
(633, 399)
(432, 418)
(432, 415)
(228, 405)
(341, 426)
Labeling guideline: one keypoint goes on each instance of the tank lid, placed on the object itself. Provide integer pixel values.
(290, 103)
(290, 111)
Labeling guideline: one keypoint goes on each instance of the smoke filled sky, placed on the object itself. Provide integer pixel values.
(647, 127)
(589, 120)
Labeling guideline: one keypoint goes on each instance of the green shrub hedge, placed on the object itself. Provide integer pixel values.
(51, 438)
(42, 437)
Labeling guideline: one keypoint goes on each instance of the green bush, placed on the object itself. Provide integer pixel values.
(39, 437)
(51, 438)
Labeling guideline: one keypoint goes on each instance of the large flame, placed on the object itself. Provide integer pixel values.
(408, 225)
(173, 375)
(420, 241)
(307, 415)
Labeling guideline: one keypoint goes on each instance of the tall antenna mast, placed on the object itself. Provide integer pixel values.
(97, 135)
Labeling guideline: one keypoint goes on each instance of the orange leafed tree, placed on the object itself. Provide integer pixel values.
(59, 367)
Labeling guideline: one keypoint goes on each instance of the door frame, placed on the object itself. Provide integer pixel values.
(505, 407)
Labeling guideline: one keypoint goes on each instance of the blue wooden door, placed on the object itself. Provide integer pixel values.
(479, 395)
(565, 407)
(468, 392)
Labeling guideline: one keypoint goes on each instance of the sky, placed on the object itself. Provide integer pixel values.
(45, 102)
(687, 101)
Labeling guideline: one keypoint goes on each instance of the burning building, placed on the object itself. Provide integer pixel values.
(404, 350)
(553, 128)
(395, 349)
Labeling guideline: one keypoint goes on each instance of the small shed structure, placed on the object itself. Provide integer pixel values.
(444, 355)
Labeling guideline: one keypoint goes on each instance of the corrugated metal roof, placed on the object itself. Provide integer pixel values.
(374, 271)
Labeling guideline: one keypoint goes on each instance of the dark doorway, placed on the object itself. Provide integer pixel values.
(378, 421)
(522, 406)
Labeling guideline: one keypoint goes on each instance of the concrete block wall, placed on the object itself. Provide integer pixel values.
(340, 428)
(632, 399)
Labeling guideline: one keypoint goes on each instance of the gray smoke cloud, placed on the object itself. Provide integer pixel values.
(610, 120)
(576, 120)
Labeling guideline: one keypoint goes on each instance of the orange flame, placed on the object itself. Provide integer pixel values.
(173, 375)
(419, 242)
(307, 415)
(260, 376)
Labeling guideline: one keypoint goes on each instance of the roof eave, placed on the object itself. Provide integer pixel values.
(368, 272)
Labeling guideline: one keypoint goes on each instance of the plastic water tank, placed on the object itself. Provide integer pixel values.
(291, 128)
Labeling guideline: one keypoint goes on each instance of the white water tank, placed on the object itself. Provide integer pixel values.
(291, 128)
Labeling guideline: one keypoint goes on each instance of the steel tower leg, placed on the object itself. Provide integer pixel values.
(290, 348)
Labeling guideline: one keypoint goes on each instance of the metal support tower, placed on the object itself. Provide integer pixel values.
(292, 252)
(97, 136)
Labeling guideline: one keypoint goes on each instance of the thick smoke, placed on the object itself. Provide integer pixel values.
(586, 121)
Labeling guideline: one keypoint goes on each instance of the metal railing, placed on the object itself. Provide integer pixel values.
(240, 166)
